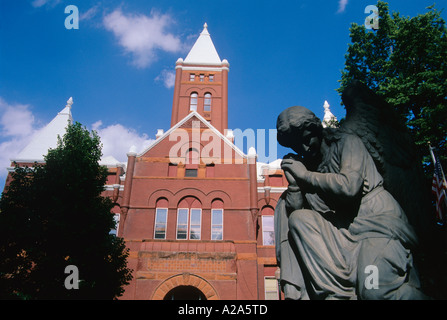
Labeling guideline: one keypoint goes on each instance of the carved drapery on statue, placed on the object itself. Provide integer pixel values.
(338, 218)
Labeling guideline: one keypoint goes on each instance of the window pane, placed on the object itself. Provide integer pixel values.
(207, 102)
(190, 172)
(182, 217)
(268, 234)
(191, 77)
(182, 224)
(161, 215)
(182, 233)
(271, 289)
(193, 102)
(211, 78)
(216, 224)
(194, 233)
(195, 224)
(217, 216)
(268, 238)
(217, 233)
(267, 223)
(195, 216)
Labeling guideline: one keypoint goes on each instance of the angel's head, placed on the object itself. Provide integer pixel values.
(299, 129)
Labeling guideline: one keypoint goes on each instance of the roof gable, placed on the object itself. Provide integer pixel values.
(187, 122)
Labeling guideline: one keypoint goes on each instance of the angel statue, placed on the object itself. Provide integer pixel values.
(338, 222)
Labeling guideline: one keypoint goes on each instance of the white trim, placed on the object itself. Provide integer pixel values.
(215, 69)
(111, 187)
(206, 123)
(272, 189)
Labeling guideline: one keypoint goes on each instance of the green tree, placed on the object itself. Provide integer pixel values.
(53, 216)
(405, 61)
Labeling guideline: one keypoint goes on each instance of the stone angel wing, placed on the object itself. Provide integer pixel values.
(388, 141)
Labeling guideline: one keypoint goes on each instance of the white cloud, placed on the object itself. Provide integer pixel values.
(90, 13)
(167, 77)
(41, 3)
(16, 120)
(342, 5)
(117, 140)
(17, 125)
(142, 35)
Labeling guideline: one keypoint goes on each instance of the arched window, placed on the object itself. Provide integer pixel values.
(207, 103)
(193, 101)
(217, 212)
(268, 233)
(189, 219)
(161, 218)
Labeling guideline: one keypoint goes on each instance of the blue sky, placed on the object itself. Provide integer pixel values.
(118, 65)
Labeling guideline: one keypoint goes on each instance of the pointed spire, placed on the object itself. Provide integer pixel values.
(69, 102)
(329, 118)
(46, 138)
(203, 52)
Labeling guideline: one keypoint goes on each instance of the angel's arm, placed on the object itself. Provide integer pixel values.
(345, 184)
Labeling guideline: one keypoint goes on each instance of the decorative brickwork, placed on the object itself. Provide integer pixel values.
(187, 262)
(185, 279)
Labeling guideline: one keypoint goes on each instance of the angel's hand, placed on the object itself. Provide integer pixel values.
(295, 168)
(290, 179)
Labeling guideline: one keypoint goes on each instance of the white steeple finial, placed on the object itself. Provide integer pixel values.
(329, 119)
(69, 102)
(205, 30)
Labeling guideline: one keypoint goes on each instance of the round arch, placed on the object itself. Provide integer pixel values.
(185, 279)
(201, 90)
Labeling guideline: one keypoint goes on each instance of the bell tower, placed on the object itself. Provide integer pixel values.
(201, 84)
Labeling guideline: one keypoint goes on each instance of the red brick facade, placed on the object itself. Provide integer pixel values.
(192, 207)
(194, 210)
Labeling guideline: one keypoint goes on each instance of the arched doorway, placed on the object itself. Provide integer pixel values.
(175, 283)
(185, 293)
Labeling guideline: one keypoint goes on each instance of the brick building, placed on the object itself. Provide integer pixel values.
(194, 210)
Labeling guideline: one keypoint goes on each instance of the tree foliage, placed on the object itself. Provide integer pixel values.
(52, 216)
(405, 61)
